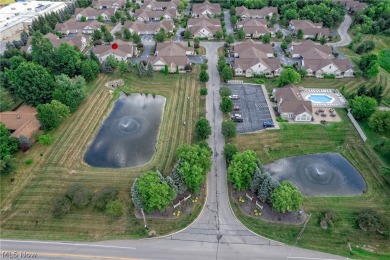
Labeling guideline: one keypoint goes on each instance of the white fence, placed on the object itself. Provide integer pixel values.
(181, 201)
(235, 82)
(357, 126)
(251, 199)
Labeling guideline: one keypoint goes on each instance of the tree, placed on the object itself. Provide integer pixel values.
(225, 91)
(70, 92)
(8, 145)
(232, 10)
(289, 76)
(370, 220)
(203, 91)
(106, 67)
(100, 19)
(42, 50)
(52, 114)
(114, 208)
(221, 63)
(83, 19)
(178, 180)
(7, 165)
(229, 39)
(266, 38)
(24, 38)
(136, 38)
(363, 107)
(203, 76)
(67, 60)
(204, 66)
(61, 206)
(229, 128)
(166, 70)
(218, 35)
(89, 69)
(203, 128)
(300, 34)
(196, 43)
(45, 139)
(233, 20)
(126, 34)
(24, 143)
(154, 192)
(302, 72)
(102, 197)
(15, 61)
(123, 66)
(241, 34)
(323, 40)
(266, 188)
(113, 19)
(187, 34)
(112, 61)
(380, 122)
(241, 169)
(160, 37)
(107, 36)
(288, 39)
(149, 69)
(286, 198)
(279, 34)
(226, 105)
(229, 150)
(227, 73)
(365, 46)
(78, 195)
(96, 35)
(32, 83)
(195, 162)
(369, 65)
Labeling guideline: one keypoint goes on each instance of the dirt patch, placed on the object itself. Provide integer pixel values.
(266, 213)
(184, 209)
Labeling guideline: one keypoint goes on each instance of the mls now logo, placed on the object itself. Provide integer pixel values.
(17, 254)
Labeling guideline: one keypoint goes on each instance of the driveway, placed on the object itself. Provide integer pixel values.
(285, 32)
(144, 55)
(178, 37)
(254, 109)
(117, 28)
(343, 32)
(147, 39)
(228, 24)
(197, 59)
(283, 58)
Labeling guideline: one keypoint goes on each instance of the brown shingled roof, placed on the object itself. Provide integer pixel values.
(22, 121)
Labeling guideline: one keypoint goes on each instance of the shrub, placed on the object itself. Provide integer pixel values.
(226, 105)
(229, 128)
(203, 76)
(370, 220)
(29, 161)
(228, 151)
(24, 143)
(61, 206)
(102, 197)
(259, 81)
(203, 91)
(329, 76)
(78, 195)
(279, 119)
(45, 139)
(203, 66)
(203, 128)
(225, 91)
(114, 208)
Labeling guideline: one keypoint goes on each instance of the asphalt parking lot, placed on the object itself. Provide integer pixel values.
(253, 107)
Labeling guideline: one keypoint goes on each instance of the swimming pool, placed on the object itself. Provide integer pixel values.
(318, 98)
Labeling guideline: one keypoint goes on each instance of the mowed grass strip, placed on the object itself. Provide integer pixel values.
(26, 206)
(299, 139)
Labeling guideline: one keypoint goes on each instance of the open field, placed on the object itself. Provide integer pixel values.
(298, 139)
(26, 203)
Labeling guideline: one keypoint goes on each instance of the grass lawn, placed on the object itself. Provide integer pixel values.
(26, 203)
(299, 139)
(3, 2)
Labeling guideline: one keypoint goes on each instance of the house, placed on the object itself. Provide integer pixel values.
(147, 15)
(171, 54)
(206, 9)
(318, 60)
(244, 13)
(309, 29)
(73, 27)
(254, 28)
(124, 51)
(92, 14)
(204, 27)
(79, 40)
(108, 4)
(148, 28)
(290, 104)
(253, 58)
(160, 5)
(22, 121)
(355, 6)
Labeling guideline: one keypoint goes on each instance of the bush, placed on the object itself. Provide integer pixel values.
(29, 161)
(229, 128)
(78, 195)
(203, 128)
(370, 220)
(226, 105)
(259, 81)
(61, 206)
(225, 91)
(45, 139)
(279, 119)
(365, 46)
(203, 66)
(203, 76)
(24, 143)
(228, 151)
(114, 208)
(102, 197)
(329, 76)
(203, 91)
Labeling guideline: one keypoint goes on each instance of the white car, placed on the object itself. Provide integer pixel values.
(234, 97)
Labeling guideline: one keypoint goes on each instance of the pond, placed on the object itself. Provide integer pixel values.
(327, 174)
(128, 136)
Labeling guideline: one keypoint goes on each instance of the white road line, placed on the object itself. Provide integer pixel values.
(65, 243)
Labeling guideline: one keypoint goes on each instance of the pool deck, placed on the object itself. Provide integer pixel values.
(338, 100)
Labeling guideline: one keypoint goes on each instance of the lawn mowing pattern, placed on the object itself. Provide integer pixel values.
(26, 207)
(298, 139)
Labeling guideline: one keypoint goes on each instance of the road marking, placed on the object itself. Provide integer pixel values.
(39, 254)
(65, 243)
(310, 258)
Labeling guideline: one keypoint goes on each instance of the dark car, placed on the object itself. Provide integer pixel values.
(237, 119)
(268, 124)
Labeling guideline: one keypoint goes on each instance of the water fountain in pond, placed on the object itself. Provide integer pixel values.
(328, 174)
(128, 136)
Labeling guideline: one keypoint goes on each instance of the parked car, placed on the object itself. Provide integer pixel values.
(268, 124)
(237, 119)
(237, 115)
(236, 108)
(234, 97)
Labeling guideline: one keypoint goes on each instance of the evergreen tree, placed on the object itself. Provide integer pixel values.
(177, 178)
(149, 70)
(106, 67)
(24, 38)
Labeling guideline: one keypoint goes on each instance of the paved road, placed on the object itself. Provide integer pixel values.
(216, 234)
(228, 24)
(343, 32)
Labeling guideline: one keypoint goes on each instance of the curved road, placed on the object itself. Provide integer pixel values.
(216, 234)
(343, 32)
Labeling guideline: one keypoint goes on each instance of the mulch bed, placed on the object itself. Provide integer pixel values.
(186, 207)
(267, 214)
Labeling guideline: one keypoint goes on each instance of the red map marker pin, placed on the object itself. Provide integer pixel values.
(114, 46)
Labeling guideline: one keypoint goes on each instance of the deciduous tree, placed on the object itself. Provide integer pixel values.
(203, 76)
(241, 169)
(363, 107)
(69, 92)
(226, 105)
(203, 128)
(52, 114)
(286, 198)
(380, 122)
(229, 128)
(288, 76)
